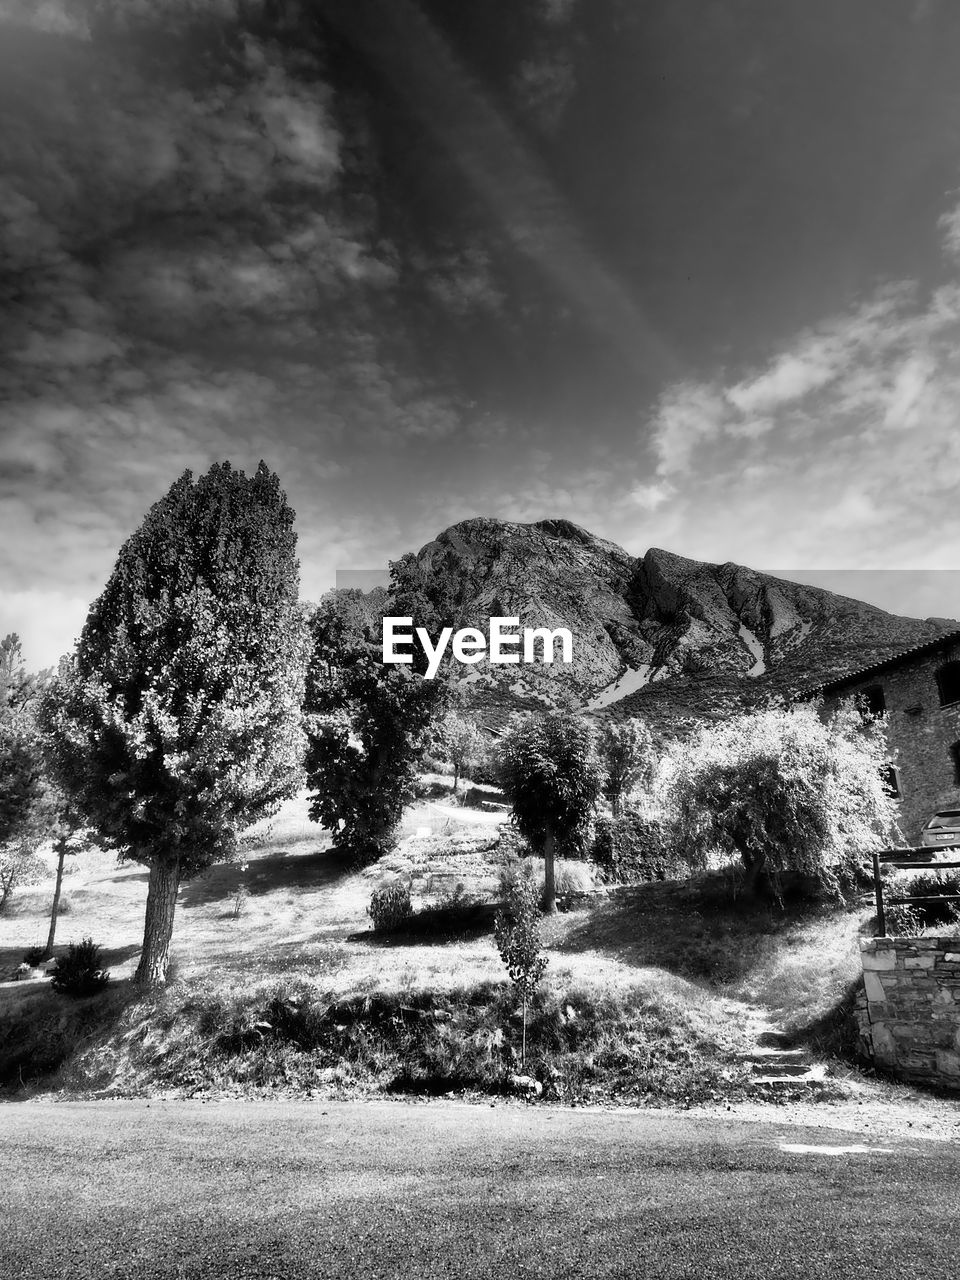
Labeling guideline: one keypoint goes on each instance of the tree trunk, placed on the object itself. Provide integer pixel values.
(158, 925)
(456, 777)
(758, 882)
(549, 875)
(61, 854)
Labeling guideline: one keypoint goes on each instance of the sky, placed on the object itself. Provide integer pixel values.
(686, 272)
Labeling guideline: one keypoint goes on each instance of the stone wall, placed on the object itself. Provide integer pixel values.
(909, 1013)
(920, 732)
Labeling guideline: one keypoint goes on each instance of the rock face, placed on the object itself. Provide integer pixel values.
(652, 634)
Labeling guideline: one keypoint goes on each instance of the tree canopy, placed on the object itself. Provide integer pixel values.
(783, 789)
(368, 726)
(176, 723)
(626, 750)
(552, 777)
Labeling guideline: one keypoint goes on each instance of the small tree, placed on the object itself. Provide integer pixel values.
(177, 722)
(21, 771)
(460, 741)
(626, 750)
(517, 933)
(552, 778)
(368, 727)
(784, 789)
(71, 836)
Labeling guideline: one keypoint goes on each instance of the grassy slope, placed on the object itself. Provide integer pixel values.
(663, 980)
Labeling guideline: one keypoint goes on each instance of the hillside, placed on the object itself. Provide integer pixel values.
(660, 635)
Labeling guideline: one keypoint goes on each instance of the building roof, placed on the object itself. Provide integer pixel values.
(885, 664)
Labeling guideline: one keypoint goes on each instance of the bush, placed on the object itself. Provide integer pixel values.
(634, 848)
(903, 921)
(79, 973)
(34, 956)
(389, 905)
(485, 773)
(924, 886)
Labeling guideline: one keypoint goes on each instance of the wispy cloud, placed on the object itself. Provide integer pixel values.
(840, 451)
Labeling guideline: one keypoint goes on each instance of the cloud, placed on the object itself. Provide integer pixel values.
(835, 453)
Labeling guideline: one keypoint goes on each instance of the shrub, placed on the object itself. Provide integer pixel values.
(635, 848)
(34, 956)
(389, 905)
(903, 921)
(485, 772)
(517, 933)
(79, 973)
(781, 789)
(924, 886)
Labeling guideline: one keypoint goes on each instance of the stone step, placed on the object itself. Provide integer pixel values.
(783, 1070)
(812, 1074)
(766, 1054)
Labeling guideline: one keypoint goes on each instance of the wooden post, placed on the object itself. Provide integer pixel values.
(878, 890)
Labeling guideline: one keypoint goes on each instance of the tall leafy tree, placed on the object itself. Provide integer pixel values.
(368, 724)
(21, 770)
(784, 789)
(459, 740)
(552, 777)
(626, 750)
(177, 721)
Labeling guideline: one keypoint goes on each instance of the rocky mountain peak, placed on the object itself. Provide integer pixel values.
(649, 630)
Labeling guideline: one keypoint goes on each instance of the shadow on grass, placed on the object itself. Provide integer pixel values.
(695, 930)
(300, 872)
(834, 1033)
(41, 1032)
(439, 925)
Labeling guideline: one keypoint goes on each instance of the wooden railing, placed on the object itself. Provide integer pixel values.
(905, 859)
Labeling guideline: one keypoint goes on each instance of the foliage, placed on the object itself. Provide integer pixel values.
(34, 956)
(176, 723)
(79, 972)
(517, 933)
(19, 865)
(460, 743)
(584, 1044)
(22, 818)
(636, 847)
(902, 921)
(390, 905)
(783, 789)
(626, 750)
(368, 726)
(930, 886)
(428, 598)
(552, 778)
(485, 770)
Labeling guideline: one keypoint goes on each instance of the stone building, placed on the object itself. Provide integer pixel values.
(919, 691)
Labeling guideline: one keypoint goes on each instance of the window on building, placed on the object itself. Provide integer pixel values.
(948, 683)
(955, 757)
(873, 701)
(891, 780)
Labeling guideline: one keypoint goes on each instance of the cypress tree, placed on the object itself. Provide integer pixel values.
(177, 721)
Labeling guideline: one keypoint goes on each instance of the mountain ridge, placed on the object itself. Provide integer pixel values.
(658, 635)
